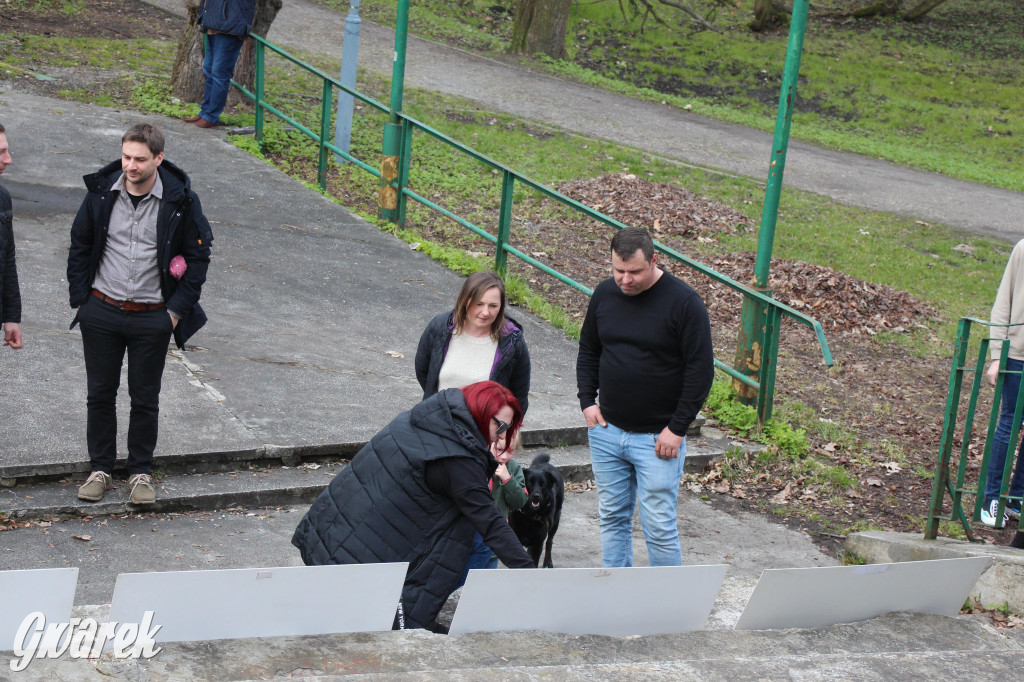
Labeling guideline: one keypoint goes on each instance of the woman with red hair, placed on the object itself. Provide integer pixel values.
(417, 492)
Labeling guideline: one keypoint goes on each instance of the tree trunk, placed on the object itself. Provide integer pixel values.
(245, 67)
(187, 81)
(769, 14)
(539, 27)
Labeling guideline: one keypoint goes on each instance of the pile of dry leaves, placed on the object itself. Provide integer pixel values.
(842, 303)
(662, 207)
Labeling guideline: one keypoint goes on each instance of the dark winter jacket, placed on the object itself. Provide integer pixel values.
(233, 17)
(181, 228)
(511, 366)
(381, 507)
(10, 293)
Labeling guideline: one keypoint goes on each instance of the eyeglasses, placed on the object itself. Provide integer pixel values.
(502, 426)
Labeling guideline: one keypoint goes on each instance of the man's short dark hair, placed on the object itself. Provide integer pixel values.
(2, 130)
(627, 240)
(147, 134)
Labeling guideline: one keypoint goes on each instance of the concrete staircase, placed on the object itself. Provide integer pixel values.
(273, 476)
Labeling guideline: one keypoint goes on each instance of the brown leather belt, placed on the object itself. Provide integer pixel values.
(127, 305)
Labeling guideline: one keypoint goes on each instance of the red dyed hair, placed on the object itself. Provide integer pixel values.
(484, 399)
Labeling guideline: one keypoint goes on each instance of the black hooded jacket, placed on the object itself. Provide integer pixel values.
(384, 508)
(10, 294)
(181, 228)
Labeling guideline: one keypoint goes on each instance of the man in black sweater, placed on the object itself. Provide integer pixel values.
(645, 354)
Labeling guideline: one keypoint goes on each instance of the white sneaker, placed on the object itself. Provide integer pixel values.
(988, 514)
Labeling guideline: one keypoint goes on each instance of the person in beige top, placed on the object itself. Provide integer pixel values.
(1007, 309)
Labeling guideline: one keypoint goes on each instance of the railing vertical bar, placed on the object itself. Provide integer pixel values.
(260, 94)
(941, 479)
(965, 439)
(404, 168)
(979, 498)
(769, 359)
(325, 132)
(504, 223)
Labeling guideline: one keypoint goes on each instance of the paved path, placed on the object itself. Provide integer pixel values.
(314, 313)
(662, 130)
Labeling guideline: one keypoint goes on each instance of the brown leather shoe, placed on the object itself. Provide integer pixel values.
(190, 119)
(203, 123)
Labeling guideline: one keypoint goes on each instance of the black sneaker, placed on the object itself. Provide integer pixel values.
(1012, 509)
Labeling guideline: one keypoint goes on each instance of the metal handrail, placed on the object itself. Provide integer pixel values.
(944, 482)
(774, 310)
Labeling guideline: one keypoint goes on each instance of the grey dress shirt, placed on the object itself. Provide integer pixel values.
(129, 269)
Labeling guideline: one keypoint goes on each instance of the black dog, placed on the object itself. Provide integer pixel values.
(537, 522)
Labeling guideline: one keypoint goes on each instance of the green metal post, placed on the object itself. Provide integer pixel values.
(325, 132)
(391, 149)
(769, 358)
(752, 322)
(504, 222)
(405, 161)
(941, 480)
(260, 80)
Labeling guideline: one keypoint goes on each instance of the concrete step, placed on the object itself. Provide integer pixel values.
(896, 646)
(269, 455)
(256, 485)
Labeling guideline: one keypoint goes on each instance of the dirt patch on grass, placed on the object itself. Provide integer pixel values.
(94, 19)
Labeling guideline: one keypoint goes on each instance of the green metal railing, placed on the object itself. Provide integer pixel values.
(773, 310)
(956, 486)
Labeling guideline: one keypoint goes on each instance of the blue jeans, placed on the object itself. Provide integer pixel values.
(218, 64)
(480, 556)
(625, 465)
(1001, 439)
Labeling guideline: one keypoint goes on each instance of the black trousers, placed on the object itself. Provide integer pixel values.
(107, 333)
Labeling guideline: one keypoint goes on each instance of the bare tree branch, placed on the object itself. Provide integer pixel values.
(681, 5)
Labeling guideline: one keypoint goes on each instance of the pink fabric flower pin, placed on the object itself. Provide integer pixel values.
(178, 267)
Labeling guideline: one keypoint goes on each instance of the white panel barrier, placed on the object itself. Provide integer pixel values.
(260, 602)
(618, 602)
(818, 597)
(48, 591)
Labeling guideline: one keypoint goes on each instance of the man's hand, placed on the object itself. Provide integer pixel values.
(667, 446)
(993, 372)
(594, 417)
(12, 335)
(174, 322)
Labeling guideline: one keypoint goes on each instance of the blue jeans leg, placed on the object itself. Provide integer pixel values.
(658, 488)
(218, 64)
(1001, 439)
(624, 465)
(616, 494)
(479, 557)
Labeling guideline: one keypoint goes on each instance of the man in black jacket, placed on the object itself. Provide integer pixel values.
(140, 248)
(644, 369)
(226, 24)
(10, 293)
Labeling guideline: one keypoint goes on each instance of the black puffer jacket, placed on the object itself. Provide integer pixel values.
(511, 366)
(380, 508)
(10, 294)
